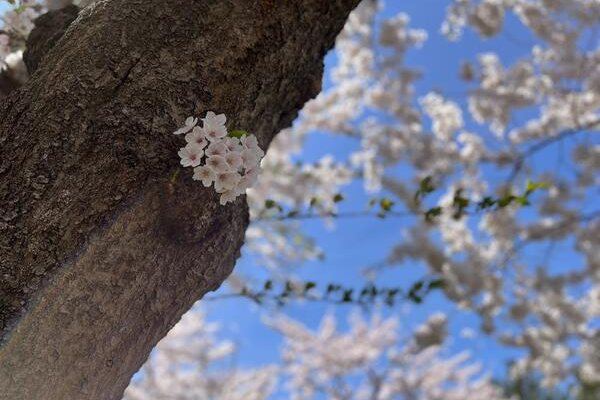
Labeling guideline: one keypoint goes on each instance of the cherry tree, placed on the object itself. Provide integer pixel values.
(476, 199)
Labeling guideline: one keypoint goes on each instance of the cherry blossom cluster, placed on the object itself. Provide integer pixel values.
(370, 360)
(17, 24)
(185, 366)
(230, 163)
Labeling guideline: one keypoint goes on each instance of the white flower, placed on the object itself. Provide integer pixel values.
(227, 181)
(245, 183)
(217, 164)
(191, 155)
(196, 136)
(250, 158)
(216, 149)
(233, 144)
(213, 119)
(190, 123)
(227, 196)
(214, 126)
(249, 142)
(204, 174)
(234, 159)
(253, 173)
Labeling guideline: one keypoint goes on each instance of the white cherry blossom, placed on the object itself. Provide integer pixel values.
(189, 124)
(191, 155)
(233, 144)
(228, 196)
(217, 164)
(227, 181)
(204, 174)
(228, 162)
(214, 126)
(250, 158)
(196, 136)
(216, 149)
(234, 159)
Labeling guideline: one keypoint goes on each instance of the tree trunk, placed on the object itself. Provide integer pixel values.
(102, 245)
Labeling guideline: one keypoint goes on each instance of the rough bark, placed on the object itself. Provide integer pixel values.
(101, 248)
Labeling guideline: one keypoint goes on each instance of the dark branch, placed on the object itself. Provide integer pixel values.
(49, 28)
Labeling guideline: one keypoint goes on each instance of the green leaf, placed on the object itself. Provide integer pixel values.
(432, 213)
(417, 286)
(436, 284)
(487, 202)
(415, 298)
(386, 204)
(505, 201)
(370, 290)
(268, 285)
(331, 288)
(309, 285)
(238, 133)
(347, 297)
(338, 197)
(269, 204)
(523, 200)
(533, 186)
(425, 187)
(459, 201)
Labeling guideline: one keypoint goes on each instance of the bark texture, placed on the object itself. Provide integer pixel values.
(102, 249)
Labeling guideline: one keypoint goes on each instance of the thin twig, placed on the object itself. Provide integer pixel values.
(545, 143)
(352, 214)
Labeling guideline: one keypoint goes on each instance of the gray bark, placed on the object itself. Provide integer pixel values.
(101, 249)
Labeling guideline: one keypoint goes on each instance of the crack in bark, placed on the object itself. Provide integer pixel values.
(122, 80)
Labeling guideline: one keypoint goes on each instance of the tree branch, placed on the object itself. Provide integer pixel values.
(49, 28)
